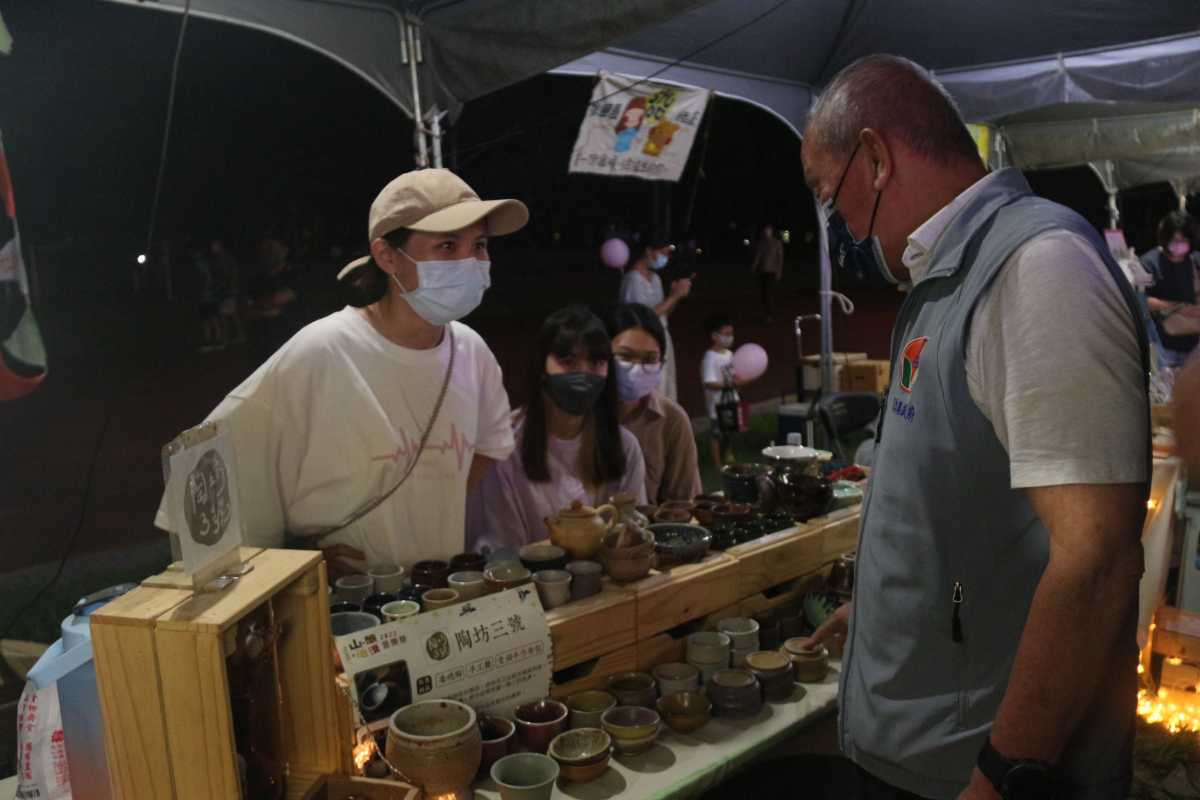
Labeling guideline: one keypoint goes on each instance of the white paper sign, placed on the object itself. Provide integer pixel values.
(202, 498)
(638, 130)
(493, 653)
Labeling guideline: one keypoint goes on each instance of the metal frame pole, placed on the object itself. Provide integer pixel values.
(411, 54)
(826, 301)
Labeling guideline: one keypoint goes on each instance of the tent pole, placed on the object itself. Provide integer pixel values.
(435, 135)
(826, 301)
(412, 36)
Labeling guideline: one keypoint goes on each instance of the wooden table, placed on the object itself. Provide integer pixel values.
(680, 766)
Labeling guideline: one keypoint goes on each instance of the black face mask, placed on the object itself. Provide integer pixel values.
(863, 257)
(575, 392)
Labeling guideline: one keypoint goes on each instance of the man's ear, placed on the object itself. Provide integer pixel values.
(384, 256)
(879, 156)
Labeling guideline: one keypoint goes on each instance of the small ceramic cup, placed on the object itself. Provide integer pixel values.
(742, 632)
(467, 562)
(539, 722)
(505, 575)
(586, 708)
(430, 573)
(351, 622)
(708, 647)
(498, 736)
(674, 678)
(353, 588)
(468, 583)
(438, 598)
(538, 557)
(633, 689)
(707, 671)
(400, 609)
(586, 578)
(553, 587)
(387, 577)
(525, 776)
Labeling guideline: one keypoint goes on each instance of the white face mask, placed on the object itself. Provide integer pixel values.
(447, 290)
(725, 341)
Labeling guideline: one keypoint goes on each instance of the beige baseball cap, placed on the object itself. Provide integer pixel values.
(436, 201)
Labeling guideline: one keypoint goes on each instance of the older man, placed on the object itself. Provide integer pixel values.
(990, 646)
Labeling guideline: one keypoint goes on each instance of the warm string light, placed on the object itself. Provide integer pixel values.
(1155, 709)
(364, 752)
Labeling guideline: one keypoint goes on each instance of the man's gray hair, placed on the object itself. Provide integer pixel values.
(897, 98)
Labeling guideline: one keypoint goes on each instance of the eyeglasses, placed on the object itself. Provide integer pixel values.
(651, 362)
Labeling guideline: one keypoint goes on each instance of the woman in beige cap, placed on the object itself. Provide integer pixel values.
(361, 434)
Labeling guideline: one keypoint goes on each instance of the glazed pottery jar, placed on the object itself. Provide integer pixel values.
(437, 745)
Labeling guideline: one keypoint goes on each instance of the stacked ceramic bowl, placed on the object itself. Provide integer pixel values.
(582, 754)
(735, 693)
(743, 638)
(676, 677)
(774, 671)
(633, 729)
(708, 652)
(633, 689)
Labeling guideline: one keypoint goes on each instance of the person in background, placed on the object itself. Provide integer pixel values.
(991, 645)
(362, 433)
(211, 291)
(642, 284)
(661, 426)
(1172, 297)
(767, 266)
(569, 442)
(229, 309)
(720, 384)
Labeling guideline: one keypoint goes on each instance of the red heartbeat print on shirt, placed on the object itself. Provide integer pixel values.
(407, 449)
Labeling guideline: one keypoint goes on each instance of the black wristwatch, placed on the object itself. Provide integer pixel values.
(1023, 779)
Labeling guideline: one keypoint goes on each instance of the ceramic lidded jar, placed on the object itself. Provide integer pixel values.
(579, 528)
(437, 745)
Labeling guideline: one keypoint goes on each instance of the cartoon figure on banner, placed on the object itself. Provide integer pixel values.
(659, 137)
(659, 103)
(630, 124)
(207, 507)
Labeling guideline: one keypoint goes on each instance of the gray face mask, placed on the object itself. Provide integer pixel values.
(575, 393)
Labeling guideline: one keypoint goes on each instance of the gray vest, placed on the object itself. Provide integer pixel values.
(949, 555)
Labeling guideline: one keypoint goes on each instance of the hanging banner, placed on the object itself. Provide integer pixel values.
(22, 356)
(638, 129)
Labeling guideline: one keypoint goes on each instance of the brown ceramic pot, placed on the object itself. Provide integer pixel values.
(437, 745)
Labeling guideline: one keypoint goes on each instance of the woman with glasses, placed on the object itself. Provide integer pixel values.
(569, 442)
(661, 426)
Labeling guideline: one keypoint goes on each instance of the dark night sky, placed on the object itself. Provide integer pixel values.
(269, 136)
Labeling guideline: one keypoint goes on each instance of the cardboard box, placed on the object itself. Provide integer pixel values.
(868, 375)
(812, 369)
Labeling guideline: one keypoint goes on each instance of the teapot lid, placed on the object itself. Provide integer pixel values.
(577, 509)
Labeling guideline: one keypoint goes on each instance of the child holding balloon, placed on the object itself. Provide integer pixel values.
(721, 372)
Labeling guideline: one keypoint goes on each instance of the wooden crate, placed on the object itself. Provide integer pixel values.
(778, 557)
(684, 593)
(593, 673)
(340, 787)
(662, 648)
(594, 626)
(161, 672)
(789, 592)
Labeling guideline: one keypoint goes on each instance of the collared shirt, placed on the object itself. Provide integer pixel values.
(1052, 308)
(668, 445)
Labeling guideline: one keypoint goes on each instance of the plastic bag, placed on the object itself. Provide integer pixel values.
(41, 746)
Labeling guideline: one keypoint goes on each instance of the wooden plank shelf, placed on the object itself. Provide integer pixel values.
(587, 628)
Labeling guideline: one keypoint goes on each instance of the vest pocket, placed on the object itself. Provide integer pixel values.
(957, 597)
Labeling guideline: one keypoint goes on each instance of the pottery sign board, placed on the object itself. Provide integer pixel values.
(493, 653)
(202, 500)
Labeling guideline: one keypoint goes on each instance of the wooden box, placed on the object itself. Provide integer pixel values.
(868, 375)
(684, 593)
(777, 557)
(593, 673)
(594, 626)
(163, 680)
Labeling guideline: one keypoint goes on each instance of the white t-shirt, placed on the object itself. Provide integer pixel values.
(330, 422)
(716, 367)
(636, 288)
(1052, 359)
(508, 510)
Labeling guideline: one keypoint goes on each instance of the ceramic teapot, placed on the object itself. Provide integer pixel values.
(579, 528)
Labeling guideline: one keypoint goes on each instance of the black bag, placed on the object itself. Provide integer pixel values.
(733, 415)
